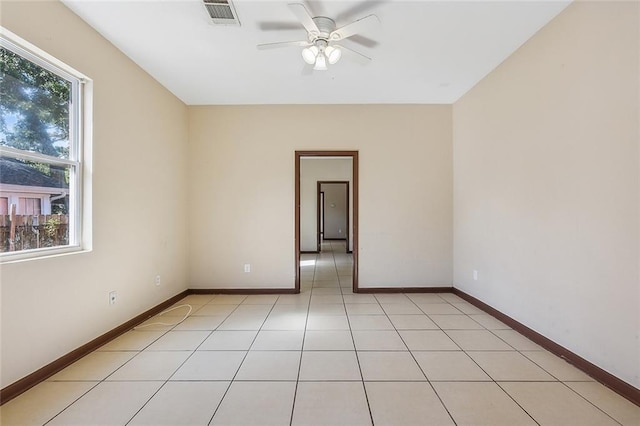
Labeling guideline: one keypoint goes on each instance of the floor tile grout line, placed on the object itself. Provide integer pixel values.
(478, 365)
(591, 403)
(355, 349)
(204, 340)
(516, 402)
(547, 371)
(241, 362)
(354, 345)
(69, 405)
(98, 382)
(465, 352)
(558, 380)
(304, 334)
(103, 380)
(338, 275)
(338, 380)
(469, 356)
(493, 330)
(505, 351)
(147, 401)
(419, 366)
(474, 361)
(183, 363)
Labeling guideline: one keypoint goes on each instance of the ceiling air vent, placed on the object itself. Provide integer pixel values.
(221, 12)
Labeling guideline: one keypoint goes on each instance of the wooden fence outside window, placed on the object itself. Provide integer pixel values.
(27, 232)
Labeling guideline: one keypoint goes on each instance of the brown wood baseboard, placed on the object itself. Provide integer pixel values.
(310, 252)
(621, 387)
(42, 374)
(405, 290)
(243, 291)
(609, 380)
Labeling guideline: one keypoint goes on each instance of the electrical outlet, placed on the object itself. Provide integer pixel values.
(157, 280)
(475, 275)
(247, 267)
(113, 297)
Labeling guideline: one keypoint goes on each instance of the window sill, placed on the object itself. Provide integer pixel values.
(37, 254)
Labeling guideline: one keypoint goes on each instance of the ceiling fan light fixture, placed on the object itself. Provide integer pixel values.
(321, 63)
(321, 33)
(333, 54)
(309, 54)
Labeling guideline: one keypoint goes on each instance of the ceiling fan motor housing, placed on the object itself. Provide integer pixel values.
(325, 25)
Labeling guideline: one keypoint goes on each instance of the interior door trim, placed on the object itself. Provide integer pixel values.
(354, 179)
(348, 200)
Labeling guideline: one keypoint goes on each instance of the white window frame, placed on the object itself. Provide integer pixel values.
(79, 150)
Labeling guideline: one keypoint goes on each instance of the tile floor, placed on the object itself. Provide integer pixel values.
(327, 357)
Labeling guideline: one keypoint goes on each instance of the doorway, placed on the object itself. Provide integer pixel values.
(352, 240)
(333, 212)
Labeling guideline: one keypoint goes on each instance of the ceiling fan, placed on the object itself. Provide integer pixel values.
(321, 46)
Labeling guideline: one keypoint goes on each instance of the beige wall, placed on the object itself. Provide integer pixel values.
(51, 306)
(335, 211)
(242, 191)
(546, 190)
(313, 170)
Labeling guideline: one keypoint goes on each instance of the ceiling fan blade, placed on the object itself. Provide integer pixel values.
(278, 26)
(304, 17)
(359, 9)
(314, 7)
(302, 43)
(363, 41)
(354, 53)
(353, 28)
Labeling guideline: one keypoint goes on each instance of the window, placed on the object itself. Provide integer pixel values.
(41, 150)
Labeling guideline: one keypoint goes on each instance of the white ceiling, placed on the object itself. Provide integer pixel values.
(428, 52)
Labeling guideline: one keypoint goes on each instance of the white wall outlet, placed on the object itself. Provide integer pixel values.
(475, 275)
(113, 297)
(247, 267)
(157, 280)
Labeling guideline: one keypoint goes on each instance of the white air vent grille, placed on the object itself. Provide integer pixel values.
(221, 12)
